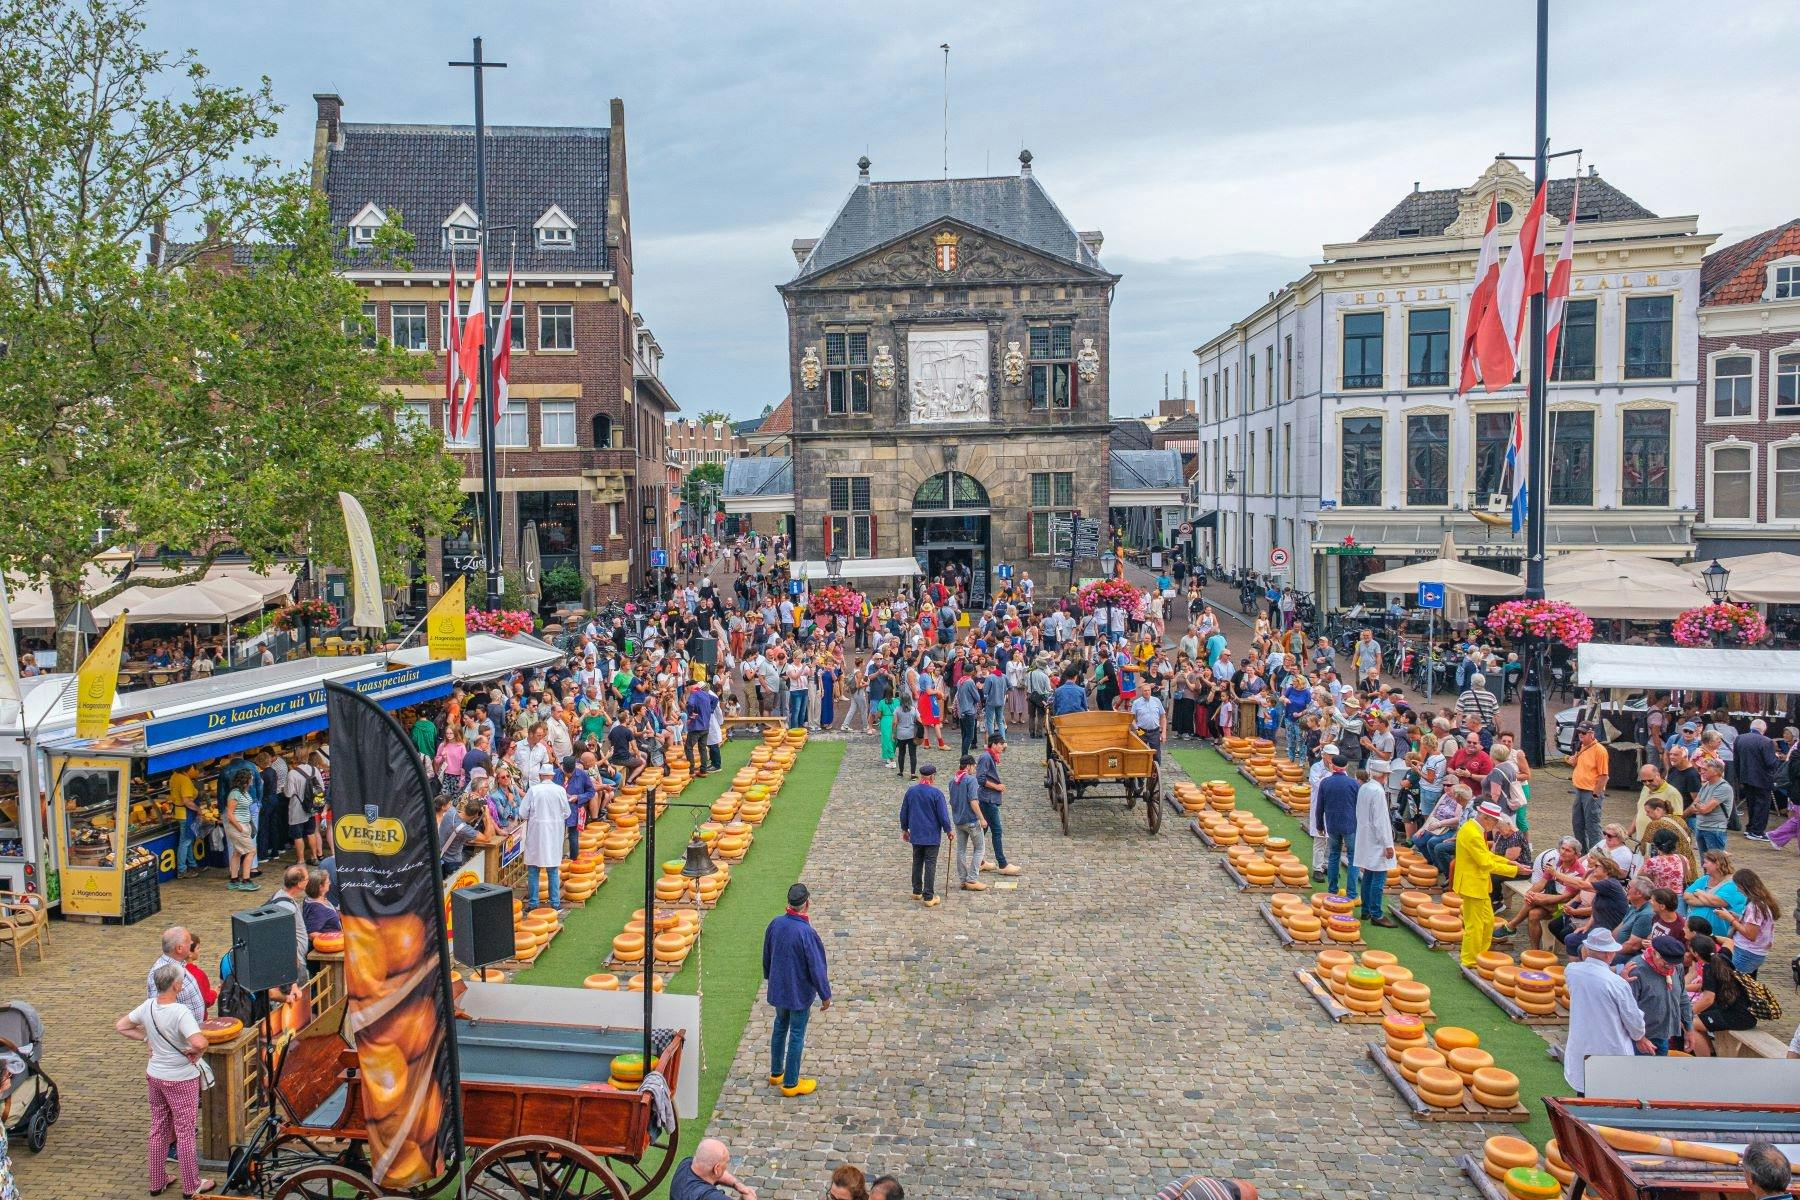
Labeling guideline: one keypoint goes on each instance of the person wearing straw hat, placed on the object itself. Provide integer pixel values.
(1476, 866)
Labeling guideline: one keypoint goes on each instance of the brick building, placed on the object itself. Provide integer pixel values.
(1749, 461)
(581, 447)
(694, 442)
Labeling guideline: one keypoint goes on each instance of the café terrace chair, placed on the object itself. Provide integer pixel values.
(23, 922)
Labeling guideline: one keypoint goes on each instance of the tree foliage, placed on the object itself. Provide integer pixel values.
(713, 416)
(195, 395)
(702, 483)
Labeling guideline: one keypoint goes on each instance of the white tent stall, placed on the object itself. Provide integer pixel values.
(860, 568)
(1697, 668)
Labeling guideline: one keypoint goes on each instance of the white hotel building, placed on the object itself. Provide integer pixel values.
(1329, 419)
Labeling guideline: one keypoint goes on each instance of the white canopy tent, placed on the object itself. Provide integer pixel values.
(30, 607)
(277, 583)
(1606, 665)
(207, 602)
(861, 568)
(1607, 564)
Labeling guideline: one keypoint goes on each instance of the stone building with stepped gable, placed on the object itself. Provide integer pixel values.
(947, 350)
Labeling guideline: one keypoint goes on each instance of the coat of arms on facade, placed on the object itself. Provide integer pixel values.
(1012, 364)
(882, 368)
(944, 245)
(809, 369)
(1087, 361)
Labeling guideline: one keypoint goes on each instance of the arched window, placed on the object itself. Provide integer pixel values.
(603, 431)
(950, 490)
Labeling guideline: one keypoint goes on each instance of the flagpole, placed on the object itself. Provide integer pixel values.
(1531, 696)
(490, 488)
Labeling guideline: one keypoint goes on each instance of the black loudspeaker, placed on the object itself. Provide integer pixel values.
(706, 649)
(481, 924)
(263, 950)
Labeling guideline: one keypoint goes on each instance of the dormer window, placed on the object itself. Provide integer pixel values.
(555, 231)
(1784, 279)
(364, 225)
(462, 228)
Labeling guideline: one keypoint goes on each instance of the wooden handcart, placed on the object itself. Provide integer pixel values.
(1602, 1169)
(1089, 750)
(540, 1119)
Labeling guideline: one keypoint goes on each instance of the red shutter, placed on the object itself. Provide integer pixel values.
(827, 537)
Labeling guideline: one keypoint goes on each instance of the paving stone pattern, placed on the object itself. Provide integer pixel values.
(1120, 1019)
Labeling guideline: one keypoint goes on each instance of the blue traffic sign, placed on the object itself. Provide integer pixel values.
(1431, 595)
(659, 558)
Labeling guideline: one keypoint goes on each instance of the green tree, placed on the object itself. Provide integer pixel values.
(198, 395)
(700, 487)
(713, 416)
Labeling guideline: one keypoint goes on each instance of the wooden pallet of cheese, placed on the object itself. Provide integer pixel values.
(1467, 1111)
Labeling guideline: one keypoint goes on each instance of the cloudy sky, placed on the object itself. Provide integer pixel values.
(1217, 145)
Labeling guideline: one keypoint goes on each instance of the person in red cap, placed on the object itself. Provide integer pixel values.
(1476, 866)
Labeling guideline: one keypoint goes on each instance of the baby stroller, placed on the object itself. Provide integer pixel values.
(32, 1102)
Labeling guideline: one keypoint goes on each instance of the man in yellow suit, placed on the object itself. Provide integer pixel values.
(1476, 866)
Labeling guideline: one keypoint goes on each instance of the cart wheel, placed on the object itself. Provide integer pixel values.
(1153, 800)
(326, 1181)
(1059, 795)
(542, 1168)
(37, 1130)
(53, 1106)
(642, 1174)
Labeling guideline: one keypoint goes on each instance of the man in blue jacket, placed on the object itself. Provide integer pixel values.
(794, 965)
(924, 820)
(1336, 802)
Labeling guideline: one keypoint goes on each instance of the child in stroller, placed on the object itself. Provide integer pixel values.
(29, 1100)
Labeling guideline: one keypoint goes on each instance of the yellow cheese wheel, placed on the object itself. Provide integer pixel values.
(1537, 960)
(1528, 1183)
(1537, 1004)
(1309, 936)
(1409, 991)
(1496, 1080)
(602, 982)
(1553, 1154)
(1446, 923)
(1506, 979)
(1331, 958)
(629, 947)
(1452, 1037)
(217, 1030)
(526, 953)
(1402, 1027)
(1409, 901)
(1440, 1086)
(1374, 960)
(1421, 1007)
(1489, 961)
(636, 983)
(1466, 1060)
(1414, 1059)
(1535, 981)
(1394, 973)
(1358, 1003)
(1304, 923)
(1494, 1099)
(1508, 1152)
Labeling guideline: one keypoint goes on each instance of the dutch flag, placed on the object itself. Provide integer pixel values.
(1515, 467)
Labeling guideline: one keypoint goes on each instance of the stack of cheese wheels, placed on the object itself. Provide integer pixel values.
(618, 844)
(1236, 747)
(1404, 1031)
(1330, 959)
(1500, 1154)
(672, 947)
(604, 981)
(1289, 771)
(1411, 902)
(1221, 795)
(1392, 973)
(1535, 992)
(1277, 845)
(1439, 1087)
(1445, 926)
(1292, 872)
(1304, 925)
(636, 983)
(1363, 990)
(629, 946)
(1281, 902)
(1537, 960)
(1506, 978)
(1556, 1165)
(1254, 832)
(1333, 904)
(671, 888)
(1344, 928)
(1421, 874)
(1338, 979)
(1297, 796)
(1454, 1037)
(582, 876)
(1409, 996)
(1495, 1088)
(1258, 872)
(1418, 1058)
(1529, 1183)
(1190, 796)
(1489, 961)
(1224, 833)
(1466, 1060)
(710, 886)
(1377, 959)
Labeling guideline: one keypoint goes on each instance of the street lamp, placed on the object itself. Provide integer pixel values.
(834, 566)
(1717, 579)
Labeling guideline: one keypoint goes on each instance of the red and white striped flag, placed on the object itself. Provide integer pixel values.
(452, 373)
(503, 350)
(1487, 278)
(1557, 296)
(1503, 324)
(474, 333)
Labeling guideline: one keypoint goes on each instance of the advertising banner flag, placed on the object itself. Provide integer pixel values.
(396, 954)
(447, 624)
(97, 682)
(366, 608)
(9, 662)
(532, 564)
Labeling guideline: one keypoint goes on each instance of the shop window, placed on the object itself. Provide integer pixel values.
(558, 526)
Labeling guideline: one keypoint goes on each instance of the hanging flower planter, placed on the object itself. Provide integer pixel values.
(509, 622)
(1721, 624)
(316, 613)
(837, 600)
(1111, 593)
(1549, 619)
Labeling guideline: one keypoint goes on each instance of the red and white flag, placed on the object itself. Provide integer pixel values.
(1503, 324)
(503, 350)
(474, 333)
(1557, 297)
(452, 371)
(1487, 278)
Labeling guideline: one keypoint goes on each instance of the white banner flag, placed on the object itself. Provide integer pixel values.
(366, 608)
(9, 658)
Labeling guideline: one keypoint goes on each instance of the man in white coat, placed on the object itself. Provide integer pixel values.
(1374, 852)
(1313, 830)
(1604, 1017)
(545, 811)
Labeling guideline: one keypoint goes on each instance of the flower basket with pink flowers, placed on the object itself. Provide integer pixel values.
(1111, 593)
(317, 613)
(1551, 620)
(837, 600)
(505, 622)
(1720, 625)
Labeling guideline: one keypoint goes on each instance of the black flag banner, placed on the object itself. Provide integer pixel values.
(396, 955)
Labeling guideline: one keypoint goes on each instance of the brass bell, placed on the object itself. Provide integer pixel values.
(699, 863)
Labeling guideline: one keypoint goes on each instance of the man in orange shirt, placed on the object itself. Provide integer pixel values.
(1591, 771)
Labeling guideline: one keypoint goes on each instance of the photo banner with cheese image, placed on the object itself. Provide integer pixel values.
(396, 952)
(97, 682)
(447, 624)
(366, 608)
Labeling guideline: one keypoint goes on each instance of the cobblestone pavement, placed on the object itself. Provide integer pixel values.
(1119, 1019)
(92, 975)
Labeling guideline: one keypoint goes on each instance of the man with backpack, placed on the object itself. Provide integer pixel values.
(305, 795)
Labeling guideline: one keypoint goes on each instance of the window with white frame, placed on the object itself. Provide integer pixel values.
(552, 237)
(371, 330)
(365, 223)
(414, 416)
(557, 419)
(1731, 482)
(406, 324)
(517, 323)
(469, 439)
(1787, 384)
(1784, 281)
(460, 235)
(556, 327)
(1733, 387)
(1784, 483)
(514, 428)
(555, 231)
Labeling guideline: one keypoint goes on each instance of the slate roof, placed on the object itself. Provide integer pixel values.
(1013, 206)
(1430, 213)
(1130, 434)
(424, 172)
(1137, 470)
(1186, 425)
(759, 477)
(1738, 274)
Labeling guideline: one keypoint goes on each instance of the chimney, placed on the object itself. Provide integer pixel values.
(1415, 187)
(331, 117)
(862, 171)
(802, 248)
(1593, 171)
(1025, 163)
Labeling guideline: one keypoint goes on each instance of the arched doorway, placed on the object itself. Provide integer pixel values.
(950, 527)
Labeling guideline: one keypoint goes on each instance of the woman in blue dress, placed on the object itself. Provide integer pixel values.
(828, 675)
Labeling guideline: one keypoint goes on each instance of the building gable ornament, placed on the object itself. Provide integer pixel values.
(810, 369)
(1502, 182)
(944, 251)
(1087, 361)
(1012, 364)
(882, 369)
(915, 261)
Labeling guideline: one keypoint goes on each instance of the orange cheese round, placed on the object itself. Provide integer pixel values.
(1467, 1060)
(1509, 1152)
(1404, 1027)
(220, 1029)
(1452, 1037)
(1377, 959)
(1409, 991)
(1414, 1059)
(602, 982)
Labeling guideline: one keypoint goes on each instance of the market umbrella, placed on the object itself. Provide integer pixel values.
(277, 583)
(1641, 595)
(1447, 569)
(207, 602)
(1772, 577)
(1611, 564)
